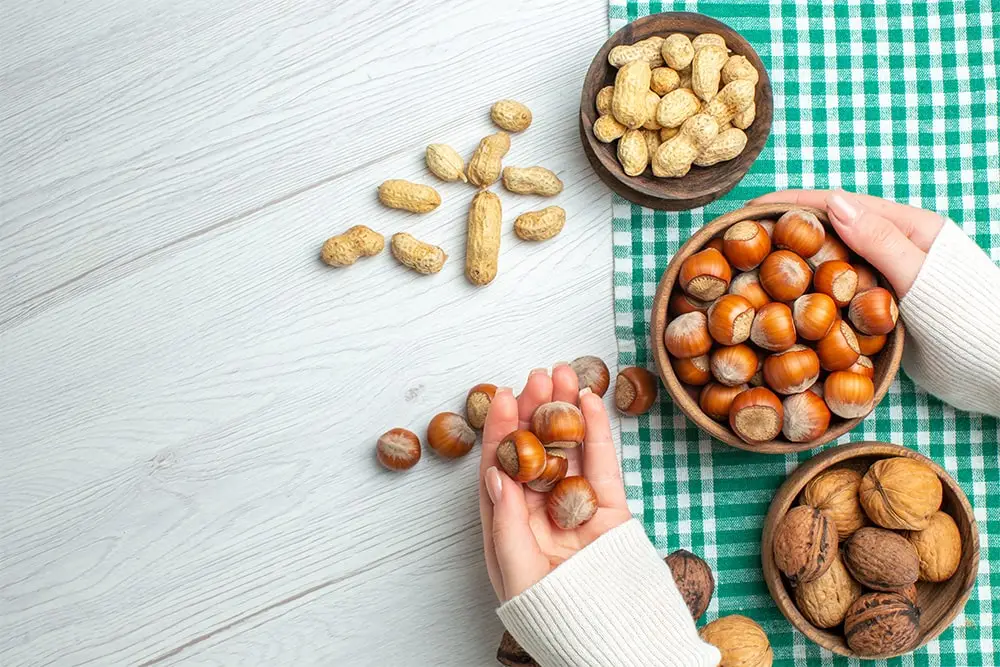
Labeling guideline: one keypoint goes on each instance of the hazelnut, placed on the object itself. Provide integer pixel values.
(832, 249)
(826, 599)
(785, 275)
(512, 654)
(477, 404)
(791, 371)
(773, 327)
(881, 559)
(747, 285)
(593, 373)
(871, 345)
(555, 469)
(900, 493)
(849, 395)
(867, 278)
(716, 400)
(558, 424)
(687, 336)
(694, 580)
(717, 243)
(521, 456)
(873, 311)
(768, 226)
(835, 492)
(814, 315)
(635, 390)
(741, 641)
(838, 350)
(863, 366)
(806, 417)
(572, 502)
(939, 548)
(838, 280)
(705, 275)
(746, 244)
(681, 303)
(450, 435)
(881, 625)
(805, 544)
(729, 319)
(756, 415)
(758, 377)
(398, 449)
(694, 371)
(799, 231)
(734, 365)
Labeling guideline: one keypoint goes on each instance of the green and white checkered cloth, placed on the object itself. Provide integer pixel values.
(897, 99)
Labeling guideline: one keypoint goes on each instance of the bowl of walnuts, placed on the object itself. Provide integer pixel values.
(675, 108)
(870, 549)
(770, 335)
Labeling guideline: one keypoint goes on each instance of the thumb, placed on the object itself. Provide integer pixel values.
(876, 239)
(521, 561)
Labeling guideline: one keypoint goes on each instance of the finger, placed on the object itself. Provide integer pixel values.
(500, 420)
(522, 563)
(917, 224)
(876, 239)
(537, 390)
(600, 462)
(565, 384)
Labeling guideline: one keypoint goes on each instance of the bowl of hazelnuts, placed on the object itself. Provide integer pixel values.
(770, 335)
(870, 550)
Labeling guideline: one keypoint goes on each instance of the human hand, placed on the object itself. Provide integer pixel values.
(521, 543)
(894, 238)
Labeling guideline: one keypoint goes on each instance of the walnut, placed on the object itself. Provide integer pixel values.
(900, 493)
(825, 601)
(939, 547)
(805, 543)
(512, 654)
(836, 493)
(694, 580)
(881, 559)
(910, 593)
(742, 642)
(882, 624)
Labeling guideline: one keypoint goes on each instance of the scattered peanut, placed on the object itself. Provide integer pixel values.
(486, 162)
(358, 241)
(417, 255)
(540, 225)
(531, 181)
(725, 146)
(739, 68)
(607, 129)
(511, 115)
(708, 39)
(604, 96)
(482, 249)
(677, 51)
(662, 80)
(629, 103)
(668, 133)
(647, 50)
(413, 197)
(745, 118)
(732, 99)
(445, 163)
(674, 158)
(706, 70)
(677, 107)
(653, 142)
(633, 152)
(652, 102)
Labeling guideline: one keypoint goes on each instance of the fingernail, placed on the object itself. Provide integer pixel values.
(585, 391)
(845, 210)
(538, 371)
(501, 390)
(559, 363)
(494, 484)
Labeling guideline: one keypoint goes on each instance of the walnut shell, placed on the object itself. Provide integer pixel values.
(939, 548)
(825, 601)
(911, 594)
(900, 493)
(882, 624)
(512, 654)
(805, 543)
(694, 580)
(836, 493)
(881, 559)
(742, 642)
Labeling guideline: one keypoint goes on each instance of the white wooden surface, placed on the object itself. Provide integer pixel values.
(189, 398)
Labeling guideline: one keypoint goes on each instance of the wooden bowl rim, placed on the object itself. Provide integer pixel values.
(889, 358)
(790, 490)
(675, 193)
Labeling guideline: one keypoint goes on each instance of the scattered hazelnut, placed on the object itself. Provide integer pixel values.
(785, 275)
(900, 493)
(805, 544)
(747, 285)
(477, 404)
(881, 559)
(873, 311)
(806, 417)
(826, 599)
(592, 372)
(694, 580)
(838, 350)
(635, 390)
(742, 642)
(572, 502)
(791, 371)
(838, 280)
(694, 371)
(521, 456)
(939, 547)
(734, 365)
(835, 492)
(849, 395)
(756, 415)
(687, 336)
(881, 625)
(555, 469)
(450, 435)
(398, 449)
(799, 231)
(559, 424)
(773, 327)
(746, 244)
(716, 400)
(729, 319)
(705, 275)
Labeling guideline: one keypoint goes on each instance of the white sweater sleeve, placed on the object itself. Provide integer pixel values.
(952, 317)
(613, 603)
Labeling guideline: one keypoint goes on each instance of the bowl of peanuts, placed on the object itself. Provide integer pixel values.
(675, 109)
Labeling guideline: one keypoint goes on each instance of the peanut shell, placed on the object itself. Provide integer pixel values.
(725, 146)
(532, 181)
(540, 225)
(629, 103)
(417, 255)
(607, 129)
(346, 248)
(482, 249)
(486, 162)
(511, 115)
(445, 163)
(633, 152)
(413, 197)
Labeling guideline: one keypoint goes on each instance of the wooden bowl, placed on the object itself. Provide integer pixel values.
(886, 362)
(702, 184)
(939, 603)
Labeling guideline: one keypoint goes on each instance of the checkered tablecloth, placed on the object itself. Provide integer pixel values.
(897, 99)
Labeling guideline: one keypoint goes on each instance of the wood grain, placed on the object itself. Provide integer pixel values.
(191, 398)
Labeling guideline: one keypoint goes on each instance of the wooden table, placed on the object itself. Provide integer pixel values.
(190, 399)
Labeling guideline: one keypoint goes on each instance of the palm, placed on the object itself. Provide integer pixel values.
(558, 545)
